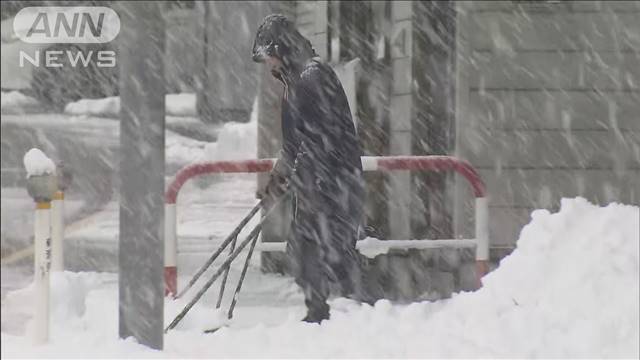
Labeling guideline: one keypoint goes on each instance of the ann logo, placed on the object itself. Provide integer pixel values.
(71, 28)
(60, 24)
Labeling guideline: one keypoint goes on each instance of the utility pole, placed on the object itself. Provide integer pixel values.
(141, 245)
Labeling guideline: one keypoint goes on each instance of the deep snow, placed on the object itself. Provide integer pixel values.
(570, 289)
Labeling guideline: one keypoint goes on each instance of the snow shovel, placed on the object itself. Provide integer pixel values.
(238, 287)
(253, 237)
(232, 237)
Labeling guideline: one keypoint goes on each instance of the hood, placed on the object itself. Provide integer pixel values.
(277, 36)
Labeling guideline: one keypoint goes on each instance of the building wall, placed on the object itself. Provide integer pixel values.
(184, 56)
(546, 101)
(311, 21)
(548, 106)
(230, 78)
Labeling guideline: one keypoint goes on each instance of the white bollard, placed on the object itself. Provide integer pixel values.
(57, 232)
(41, 186)
(482, 237)
(170, 250)
(42, 255)
(482, 228)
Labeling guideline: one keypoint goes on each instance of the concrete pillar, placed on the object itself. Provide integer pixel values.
(142, 126)
(401, 115)
(311, 18)
(422, 113)
(433, 125)
(361, 30)
(463, 204)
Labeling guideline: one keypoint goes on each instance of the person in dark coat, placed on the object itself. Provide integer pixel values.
(320, 162)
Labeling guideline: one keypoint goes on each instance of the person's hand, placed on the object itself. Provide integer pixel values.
(274, 189)
(276, 186)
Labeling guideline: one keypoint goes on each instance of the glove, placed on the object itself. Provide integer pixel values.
(276, 186)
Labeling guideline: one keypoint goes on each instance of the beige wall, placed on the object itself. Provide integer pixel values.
(311, 20)
(183, 49)
(548, 106)
(547, 103)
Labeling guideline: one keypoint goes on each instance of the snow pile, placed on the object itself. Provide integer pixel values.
(109, 106)
(175, 105)
(181, 104)
(570, 289)
(181, 150)
(37, 163)
(84, 318)
(236, 141)
(69, 292)
(14, 100)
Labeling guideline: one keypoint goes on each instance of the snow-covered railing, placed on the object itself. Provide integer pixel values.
(369, 163)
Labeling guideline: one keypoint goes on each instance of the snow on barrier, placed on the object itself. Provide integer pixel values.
(369, 163)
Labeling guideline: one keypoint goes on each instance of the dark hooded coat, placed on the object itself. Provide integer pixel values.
(321, 153)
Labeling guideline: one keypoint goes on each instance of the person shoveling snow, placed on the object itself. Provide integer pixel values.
(320, 159)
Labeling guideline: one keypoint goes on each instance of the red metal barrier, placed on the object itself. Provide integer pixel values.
(193, 170)
(382, 163)
(432, 163)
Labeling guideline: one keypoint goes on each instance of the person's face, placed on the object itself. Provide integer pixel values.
(274, 64)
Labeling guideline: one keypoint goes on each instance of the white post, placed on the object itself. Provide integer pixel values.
(41, 185)
(170, 250)
(369, 163)
(42, 255)
(57, 232)
(482, 238)
(482, 229)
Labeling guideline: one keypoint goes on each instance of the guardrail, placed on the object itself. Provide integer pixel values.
(369, 163)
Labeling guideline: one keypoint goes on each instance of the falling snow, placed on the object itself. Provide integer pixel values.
(541, 98)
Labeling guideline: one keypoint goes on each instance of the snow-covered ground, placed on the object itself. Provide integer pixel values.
(570, 289)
